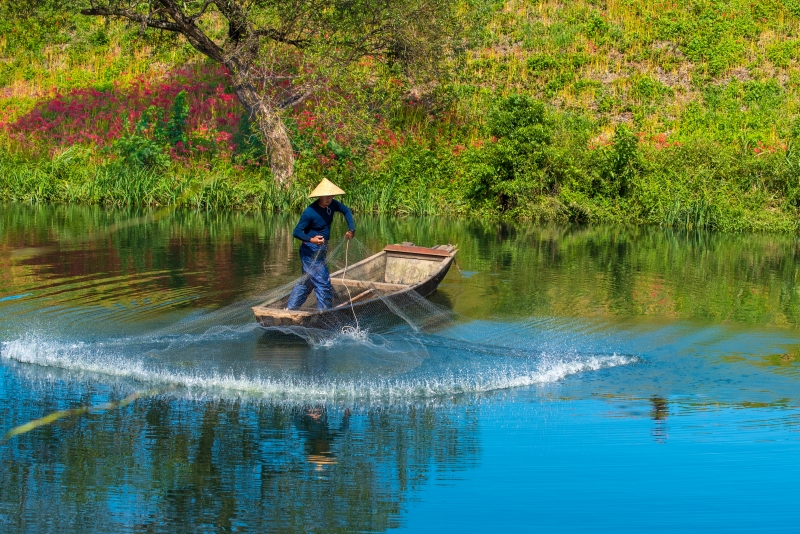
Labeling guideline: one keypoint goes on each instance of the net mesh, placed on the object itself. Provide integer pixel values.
(370, 296)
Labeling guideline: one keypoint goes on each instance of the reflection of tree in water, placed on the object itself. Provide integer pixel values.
(631, 271)
(659, 414)
(212, 466)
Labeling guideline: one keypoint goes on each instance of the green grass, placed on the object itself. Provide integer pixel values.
(678, 114)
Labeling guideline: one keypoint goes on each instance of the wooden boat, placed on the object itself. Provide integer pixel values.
(375, 284)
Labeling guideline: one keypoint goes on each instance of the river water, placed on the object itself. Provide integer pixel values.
(586, 379)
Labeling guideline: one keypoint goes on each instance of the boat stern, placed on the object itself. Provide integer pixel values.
(268, 317)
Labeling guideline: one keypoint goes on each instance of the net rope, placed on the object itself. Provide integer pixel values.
(348, 329)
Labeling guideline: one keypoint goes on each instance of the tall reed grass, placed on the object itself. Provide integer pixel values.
(74, 179)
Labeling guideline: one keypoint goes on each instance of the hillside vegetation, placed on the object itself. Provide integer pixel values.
(672, 113)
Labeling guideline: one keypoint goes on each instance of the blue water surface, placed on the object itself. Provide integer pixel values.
(576, 380)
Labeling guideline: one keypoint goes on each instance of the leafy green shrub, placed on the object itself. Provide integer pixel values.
(99, 38)
(623, 160)
(648, 89)
(597, 25)
(781, 53)
(154, 135)
(767, 94)
(605, 101)
(517, 161)
(174, 131)
(139, 151)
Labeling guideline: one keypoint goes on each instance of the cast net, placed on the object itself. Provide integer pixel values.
(371, 293)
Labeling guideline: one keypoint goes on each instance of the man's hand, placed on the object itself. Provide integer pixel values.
(318, 240)
(349, 234)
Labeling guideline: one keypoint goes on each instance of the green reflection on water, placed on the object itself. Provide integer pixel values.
(516, 270)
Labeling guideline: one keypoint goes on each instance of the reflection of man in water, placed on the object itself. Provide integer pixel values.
(319, 436)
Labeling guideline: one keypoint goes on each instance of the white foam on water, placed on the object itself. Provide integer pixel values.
(328, 339)
(80, 359)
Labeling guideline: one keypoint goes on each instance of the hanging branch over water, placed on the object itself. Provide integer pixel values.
(281, 52)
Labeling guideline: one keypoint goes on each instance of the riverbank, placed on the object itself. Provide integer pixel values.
(692, 187)
(638, 113)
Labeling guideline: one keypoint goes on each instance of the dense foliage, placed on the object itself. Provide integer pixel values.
(644, 112)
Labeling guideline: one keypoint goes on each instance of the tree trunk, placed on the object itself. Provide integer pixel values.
(276, 139)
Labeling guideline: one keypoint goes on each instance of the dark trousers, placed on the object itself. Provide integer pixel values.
(317, 278)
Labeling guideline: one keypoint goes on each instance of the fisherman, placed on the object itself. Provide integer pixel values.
(314, 230)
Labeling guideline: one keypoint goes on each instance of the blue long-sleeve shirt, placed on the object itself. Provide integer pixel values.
(316, 220)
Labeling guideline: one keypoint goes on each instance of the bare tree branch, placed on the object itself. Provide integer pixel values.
(281, 38)
(202, 11)
(296, 99)
(159, 24)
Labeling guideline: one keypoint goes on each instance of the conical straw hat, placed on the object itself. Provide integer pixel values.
(325, 188)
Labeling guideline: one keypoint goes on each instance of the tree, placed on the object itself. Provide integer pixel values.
(281, 52)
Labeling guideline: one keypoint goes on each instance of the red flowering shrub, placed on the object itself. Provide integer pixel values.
(101, 117)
